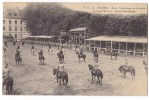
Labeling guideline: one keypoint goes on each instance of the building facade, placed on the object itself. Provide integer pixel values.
(13, 26)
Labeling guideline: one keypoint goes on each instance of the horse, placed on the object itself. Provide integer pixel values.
(63, 49)
(114, 53)
(77, 51)
(41, 58)
(107, 51)
(83, 56)
(60, 56)
(33, 51)
(96, 72)
(61, 75)
(145, 66)
(50, 50)
(124, 69)
(8, 82)
(18, 59)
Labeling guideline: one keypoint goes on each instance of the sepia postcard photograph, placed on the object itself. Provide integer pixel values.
(75, 49)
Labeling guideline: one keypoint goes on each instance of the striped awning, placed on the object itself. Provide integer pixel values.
(41, 36)
(78, 29)
(130, 39)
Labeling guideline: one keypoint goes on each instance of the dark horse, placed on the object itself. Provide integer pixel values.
(8, 82)
(61, 75)
(18, 59)
(41, 58)
(114, 53)
(83, 56)
(123, 69)
(96, 72)
(60, 56)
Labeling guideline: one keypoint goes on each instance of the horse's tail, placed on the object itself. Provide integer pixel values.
(67, 79)
(101, 75)
(132, 69)
(134, 72)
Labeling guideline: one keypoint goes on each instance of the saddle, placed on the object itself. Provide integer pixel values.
(126, 67)
(41, 57)
(94, 71)
(59, 73)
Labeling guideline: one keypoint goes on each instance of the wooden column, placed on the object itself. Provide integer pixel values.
(84, 37)
(111, 45)
(94, 45)
(143, 49)
(126, 48)
(134, 49)
(106, 44)
(119, 47)
(100, 44)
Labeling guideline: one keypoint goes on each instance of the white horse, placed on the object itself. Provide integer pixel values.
(63, 49)
(33, 51)
(50, 50)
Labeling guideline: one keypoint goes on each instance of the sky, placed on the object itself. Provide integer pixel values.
(100, 8)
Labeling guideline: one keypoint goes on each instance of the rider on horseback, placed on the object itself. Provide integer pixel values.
(81, 52)
(96, 65)
(126, 63)
(6, 71)
(49, 46)
(32, 49)
(17, 52)
(41, 52)
(18, 47)
(60, 68)
(95, 50)
(61, 52)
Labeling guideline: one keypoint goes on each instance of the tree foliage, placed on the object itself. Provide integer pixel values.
(51, 18)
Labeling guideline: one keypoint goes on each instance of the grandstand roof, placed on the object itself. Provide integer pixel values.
(131, 39)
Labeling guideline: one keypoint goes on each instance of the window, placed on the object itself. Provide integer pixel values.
(21, 22)
(9, 28)
(21, 28)
(15, 21)
(3, 21)
(15, 28)
(9, 21)
(9, 14)
(25, 28)
(15, 36)
(21, 35)
(15, 14)
(3, 28)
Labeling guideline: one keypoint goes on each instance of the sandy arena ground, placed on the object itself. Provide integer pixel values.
(30, 78)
